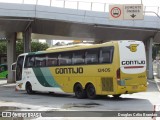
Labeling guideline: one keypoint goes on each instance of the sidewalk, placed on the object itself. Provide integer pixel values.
(4, 83)
(157, 81)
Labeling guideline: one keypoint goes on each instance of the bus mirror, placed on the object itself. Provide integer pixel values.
(13, 67)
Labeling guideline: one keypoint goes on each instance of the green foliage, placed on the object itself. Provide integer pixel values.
(3, 47)
(35, 46)
(19, 48)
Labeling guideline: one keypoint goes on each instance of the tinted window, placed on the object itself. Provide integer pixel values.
(40, 60)
(29, 62)
(65, 59)
(106, 54)
(52, 60)
(92, 56)
(78, 57)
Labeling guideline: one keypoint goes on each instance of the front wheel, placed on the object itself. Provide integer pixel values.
(29, 88)
(91, 92)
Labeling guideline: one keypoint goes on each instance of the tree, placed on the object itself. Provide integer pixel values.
(35, 46)
(3, 47)
(19, 48)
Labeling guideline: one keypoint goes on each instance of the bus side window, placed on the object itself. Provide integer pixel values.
(29, 62)
(92, 56)
(40, 60)
(65, 58)
(78, 57)
(106, 54)
(52, 59)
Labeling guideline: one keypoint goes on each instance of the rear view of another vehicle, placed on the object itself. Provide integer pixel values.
(3, 71)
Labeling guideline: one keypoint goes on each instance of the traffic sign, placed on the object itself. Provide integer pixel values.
(116, 12)
(126, 12)
(133, 12)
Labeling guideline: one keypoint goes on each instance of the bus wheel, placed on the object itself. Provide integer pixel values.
(91, 92)
(116, 96)
(29, 88)
(80, 93)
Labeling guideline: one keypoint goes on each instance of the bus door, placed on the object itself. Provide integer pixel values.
(19, 68)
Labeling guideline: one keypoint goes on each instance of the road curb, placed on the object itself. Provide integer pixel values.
(156, 81)
(158, 86)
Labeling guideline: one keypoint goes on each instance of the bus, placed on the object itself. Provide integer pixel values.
(111, 68)
(3, 71)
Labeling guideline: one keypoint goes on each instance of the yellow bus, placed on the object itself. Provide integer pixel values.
(111, 68)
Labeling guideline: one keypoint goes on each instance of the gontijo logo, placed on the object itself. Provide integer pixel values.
(133, 47)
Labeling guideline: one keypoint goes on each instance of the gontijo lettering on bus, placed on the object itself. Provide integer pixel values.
(70, 70)
(133, 62)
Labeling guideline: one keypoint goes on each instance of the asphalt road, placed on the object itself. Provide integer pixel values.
(19, 100)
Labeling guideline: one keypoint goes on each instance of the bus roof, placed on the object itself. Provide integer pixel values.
(78, 47)
(68, 46)
(75, 47)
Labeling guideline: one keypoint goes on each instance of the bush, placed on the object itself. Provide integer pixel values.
(35, 46)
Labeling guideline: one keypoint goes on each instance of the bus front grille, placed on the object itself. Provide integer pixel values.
(107, 84)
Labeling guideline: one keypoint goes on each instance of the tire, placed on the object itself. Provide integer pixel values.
(29, 88)
(116, 96)
(80, 93)
(91, 92)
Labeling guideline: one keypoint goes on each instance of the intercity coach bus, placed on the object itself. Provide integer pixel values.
(111, 68)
